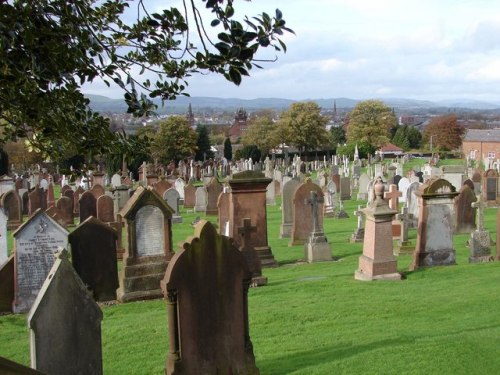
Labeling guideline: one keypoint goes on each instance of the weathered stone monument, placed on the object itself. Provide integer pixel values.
(189, 195)
(206, 286)
(435, 229)
(87, 205)
(316, 249)
(302, 215)
(359, 232)
(7, 285)
(148, 224)
(3, 237)
(35, 243)
(172, 197)
(93, 254)
(65, 324)
(377, 261)
(13, 208)
(201, 197)
(214, 188)
(404, 245)
(393, 196)
(480, 240)
(287, 207)
(490, 187)
(465, 214)
(251, 256)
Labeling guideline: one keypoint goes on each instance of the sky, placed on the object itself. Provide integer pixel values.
(364, 49)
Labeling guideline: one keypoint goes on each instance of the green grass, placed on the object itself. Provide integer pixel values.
(316, 319)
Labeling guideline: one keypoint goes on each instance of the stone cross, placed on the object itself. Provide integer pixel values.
(313, 201)
(359, 214)
(404, 217)
(480, 205)
(246, 232)
(392, 195)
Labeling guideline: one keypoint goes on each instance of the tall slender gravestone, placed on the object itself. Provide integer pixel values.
(251, 256)
(88, 205)
(214, 188)
(13, 208)
(3, 237)
(435, 229)
(359, 232)
(189, 195)
(65, 324)
(377, 261)
(302, 214)
(93, 252)
(490, 187)
(465, 214)
(35, 243)
(289, 188)
(7, 285)
(316, 249)
(172, 197)
(148, 224)
(480, 241)
(206, 287)
(248, 200)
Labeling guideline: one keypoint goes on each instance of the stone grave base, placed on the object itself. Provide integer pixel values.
(266, 257)
(317, 250)
(285, 230)
(396, 229)
(443, 257)
(358, 275)
(370, 269)
(358, 236)
(481, 259)
(404, 248)
(258, 281)
(342, 215)
(176, 219)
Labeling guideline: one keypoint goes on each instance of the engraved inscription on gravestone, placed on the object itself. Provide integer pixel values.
(149, 231)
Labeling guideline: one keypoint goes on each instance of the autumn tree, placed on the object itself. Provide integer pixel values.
(303, 126)
(261, 131)
(50, 48)
(370, 122)
(175, 140)
(445, 131)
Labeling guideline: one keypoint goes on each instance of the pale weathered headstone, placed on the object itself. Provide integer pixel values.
(302, 219)
(206, 286)
(12, 206)
(480, 241)
(287, 207)
(65, 324)
(201, 197)
(214, 188)
(316, 249)
(172, 197)
(3, 237)
(359, 232)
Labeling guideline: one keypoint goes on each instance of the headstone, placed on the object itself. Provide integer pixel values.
(116, 180)
(490, 187)
(51, 201)
(330, 198)
(180, 184)
(271, 194)
(3, 237)
(364, 180)
(76, 202)
(189, 196)
(403, 186)
(359, 233)
(412, 204)
(88, 206)
(480, 241)
(35, 243)
(316, 249)
(214, 188)
(6, 285)
(206, 286)
(476, 180)
(345, 188)
(37, 200)
(465, 214)
(44, 184)
(377, 261)
(201, 197)
(148, 224)
(224, 209)
(289, 188)
(64, 208)
(12, 206)
(393, 196)
(121, 196)
(93, 254)
(251, 256)
(98, 190)
(435, 225)
(65, 324)
(302, 216)
(172, 197)
(404, 246)
(105, 209)
(162, 186)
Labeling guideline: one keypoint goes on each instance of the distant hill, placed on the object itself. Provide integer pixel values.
(180, 105)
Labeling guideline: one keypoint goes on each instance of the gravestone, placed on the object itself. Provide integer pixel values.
(35, 243)
(271, 194)
(105, 209)
(25, 197)
(480, 241)
(6, 285)
(476, 180)
(162, 186)
(3, 237)
(435, 229)
(404, 246)
(65, 324)
(180, 184)
(172, 197)
(64, 209)
(364, 180)
(359, 233)
(490, 187)
(377, 261)
(330, 204)
(116, 180)
(302, 216)
(189, 196)
(121, 195)
(248, 200)
(223, 204)
(465, 214)
(98, 190)
(93, 254)
(88, 206)
(403, 186)
(393, 196)
(76, 199)
(316, 249)
(214, 188)
(251, 256)
(148, 225)
(289, 188)
(345, 188)
(51, 201)
(206, 286)
(412, 204)
(201, 197)
(12, 206)
(37, 200)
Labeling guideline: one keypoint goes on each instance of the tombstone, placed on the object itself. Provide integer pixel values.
(26, 200)
(64, 209)
(12, 206)
(403, 186)
(214, 188)
(490, 187)
(377, 261)
(162, 186)
(51, 201)
(248, 200)
(179, 185)
(69, 193)
(476, 180)
(44, 184)
(76, 200)
(93, 254)
(271, 194)
(6, 285)
(480, 241)
(88, 206)
(105, 209)
(148, 225)
(435, 225)
(35, 243)
(465, 214)
(3, 237)
(287, 207)
(97, 190)
(363, 182)
(251, 256)
(404, 246)
(201, 197)
(223, 218)
(6, 184)
(120, 197)
(302, 219)
(470, 184)
(345, 188)
(316, 249)
(393, 196)
(206, 286)
(412, 204)
(330, 204)
(116, 180)
(65, 324)
(189, 195)
(359, 233)
(172, 197)
(37, 200)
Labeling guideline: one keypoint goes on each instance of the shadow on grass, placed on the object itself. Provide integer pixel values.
(298, 361)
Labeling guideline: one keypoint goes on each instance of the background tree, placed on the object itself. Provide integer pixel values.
(203, 151)
(364, 149)
(303, 126)
(247, 152)
(337, 137)
(175, 140)
(407, 137)
(261, 131)
(228, 149)
(445, 131)
(370, 122)
(50, 48)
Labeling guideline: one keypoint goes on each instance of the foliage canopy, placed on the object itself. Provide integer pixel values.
(445, 131)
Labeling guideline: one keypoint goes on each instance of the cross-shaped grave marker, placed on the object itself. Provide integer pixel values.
(392, 195)
(359, 213)
(480, 205)
(246, 233)
(314, 201)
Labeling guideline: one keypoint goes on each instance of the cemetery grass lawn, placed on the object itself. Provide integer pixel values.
(316, 319)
